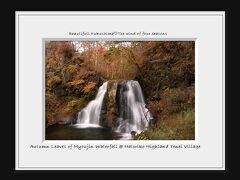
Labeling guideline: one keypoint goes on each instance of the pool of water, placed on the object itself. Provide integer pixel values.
(83, 132)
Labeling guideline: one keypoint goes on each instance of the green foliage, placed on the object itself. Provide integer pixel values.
(52, 80)
(180, 126)
(140, 136)
(171, 101)
(75, 104)
(113, 51)
(72, 68)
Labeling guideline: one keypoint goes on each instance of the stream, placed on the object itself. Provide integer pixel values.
(78, 132)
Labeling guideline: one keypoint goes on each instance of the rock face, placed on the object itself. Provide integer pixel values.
(64, 119)
(109, 109)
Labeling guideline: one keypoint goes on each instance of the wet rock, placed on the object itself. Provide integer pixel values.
(109, 108)
(65, 119)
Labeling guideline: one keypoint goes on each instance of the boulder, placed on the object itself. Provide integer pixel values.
(65, 119)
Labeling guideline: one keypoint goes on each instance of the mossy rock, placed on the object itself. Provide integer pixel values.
(140, 136)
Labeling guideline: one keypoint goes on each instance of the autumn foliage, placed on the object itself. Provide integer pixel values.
(165, 70)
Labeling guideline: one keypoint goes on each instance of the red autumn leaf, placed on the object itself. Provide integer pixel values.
(101, 50)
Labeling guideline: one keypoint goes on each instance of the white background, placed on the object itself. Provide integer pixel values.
(208, 30)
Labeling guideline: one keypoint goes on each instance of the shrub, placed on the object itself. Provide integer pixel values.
(172, 101)
(75, 105)
(76, 82)
(140, 136)
(53, 80)
(90, 86)
(180, 126)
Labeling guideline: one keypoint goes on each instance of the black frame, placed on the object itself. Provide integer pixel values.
(140, 172)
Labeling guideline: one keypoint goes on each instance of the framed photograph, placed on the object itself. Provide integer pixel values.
(120, 90)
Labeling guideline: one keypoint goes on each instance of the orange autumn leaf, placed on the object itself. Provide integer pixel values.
(76, 82)
(89, 87)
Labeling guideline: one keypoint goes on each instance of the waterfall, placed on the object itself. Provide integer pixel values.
(133, 115)
(92, 112)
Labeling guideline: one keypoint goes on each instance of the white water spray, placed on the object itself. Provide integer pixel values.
(92, 112)
(134, 116)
